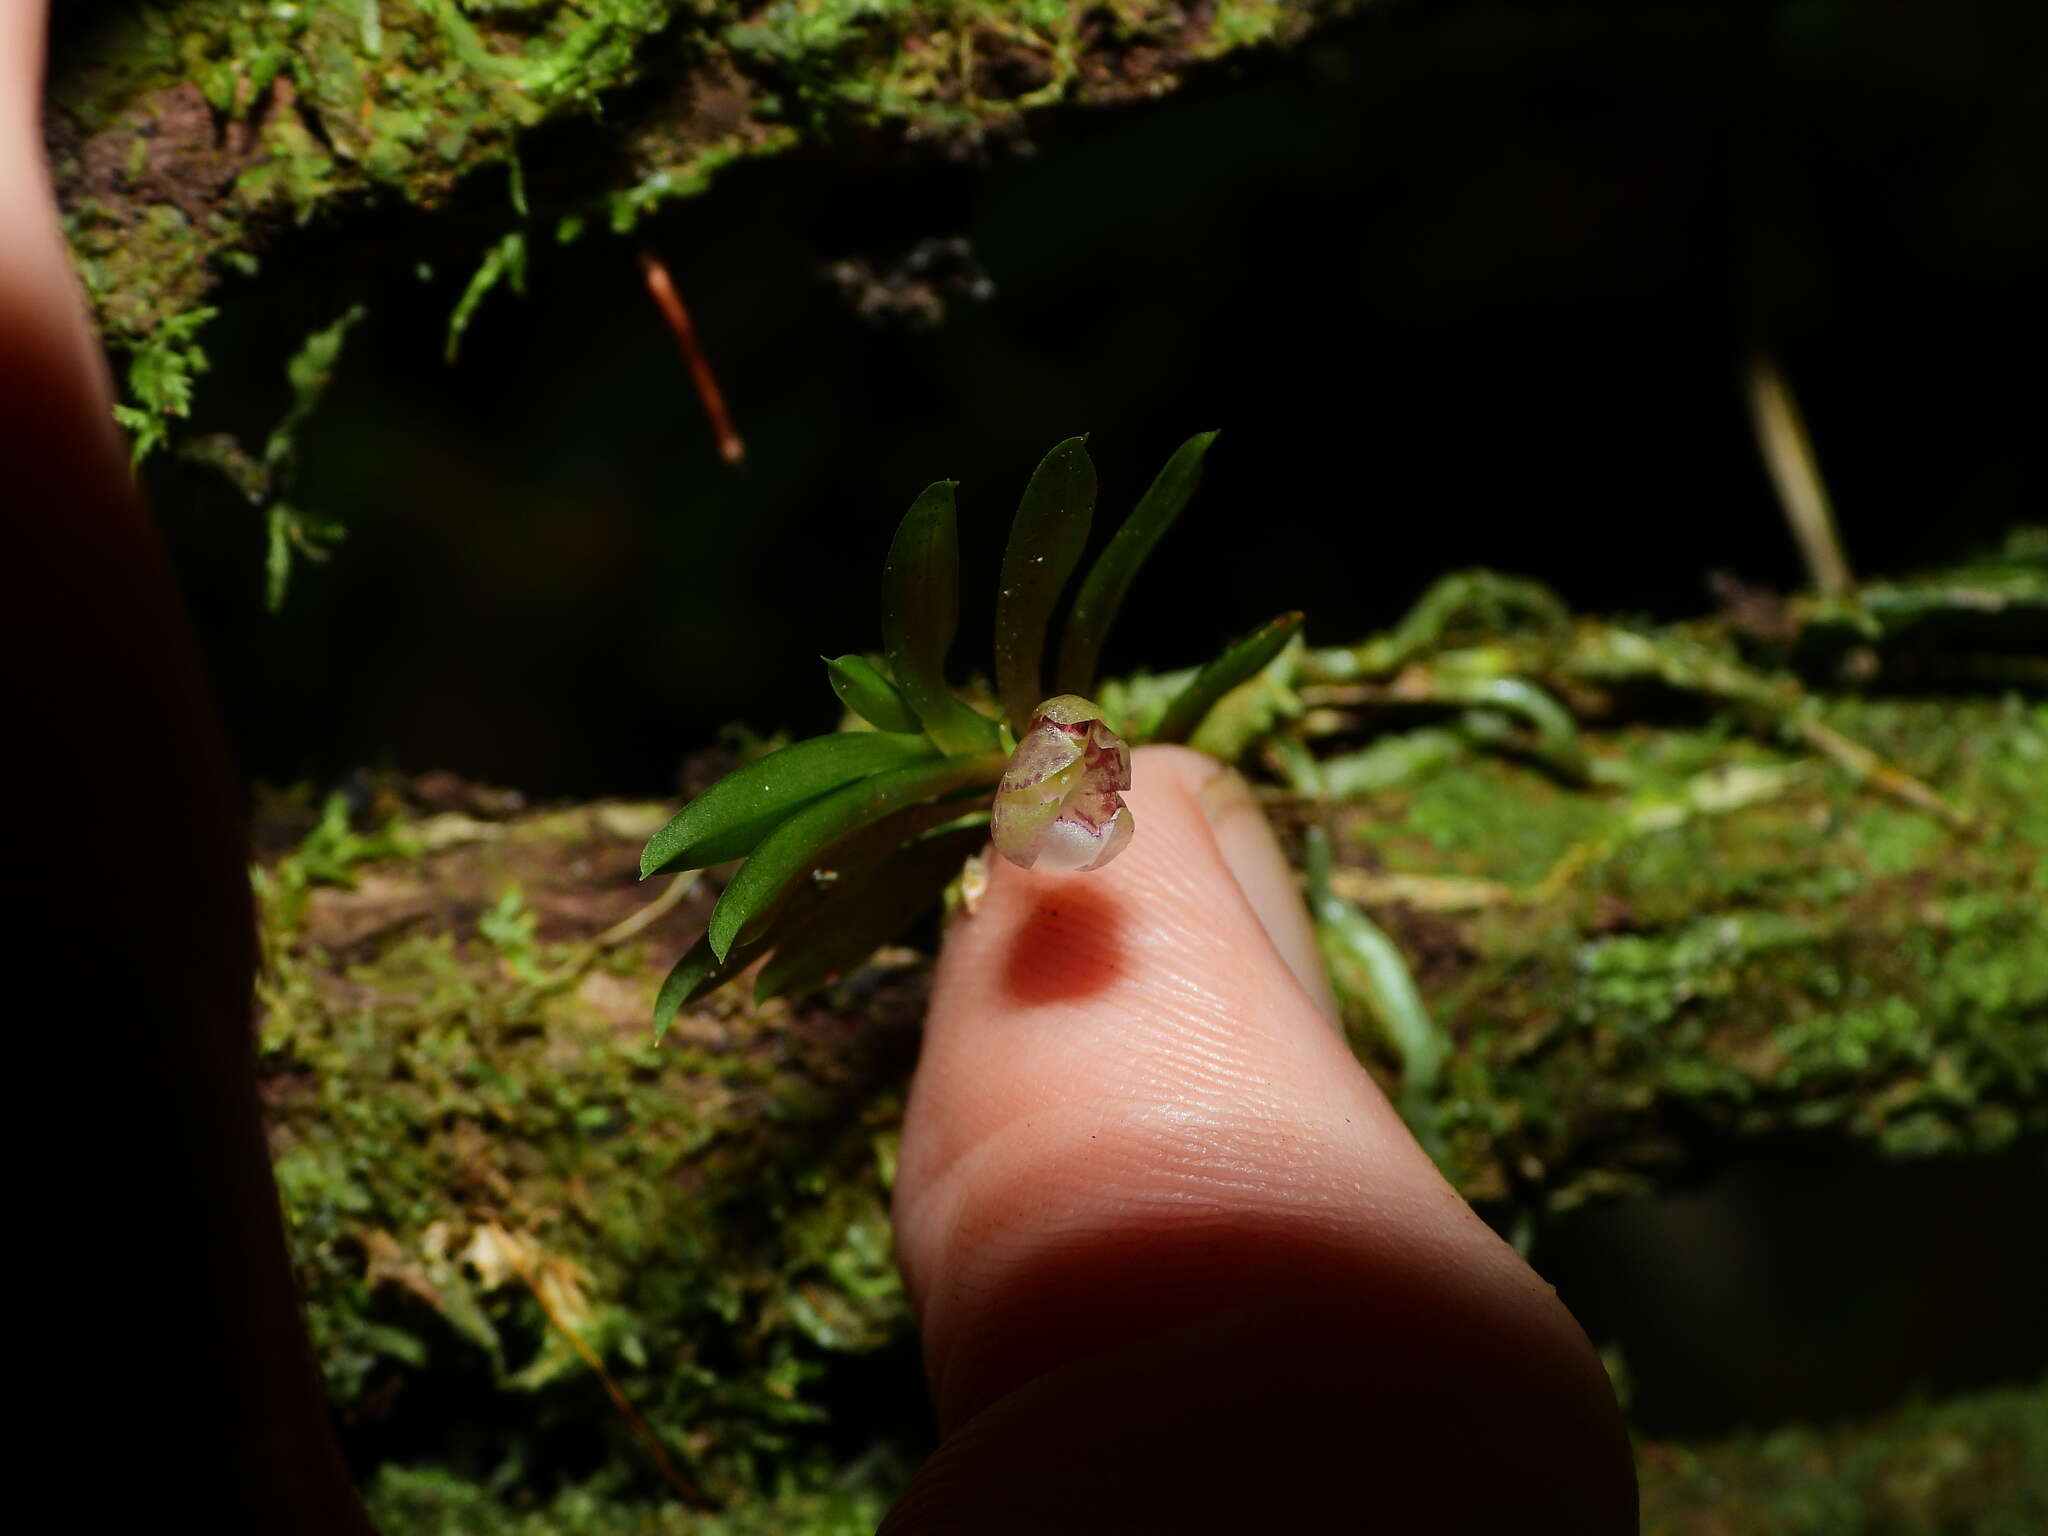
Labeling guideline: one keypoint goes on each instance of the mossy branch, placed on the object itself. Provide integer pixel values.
(186, 133)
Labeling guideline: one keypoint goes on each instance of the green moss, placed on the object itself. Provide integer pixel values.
(429, 1501)
(1973, 1466)
(1730, 941)
(714, 1215)
(1486, 818)
(316, 111)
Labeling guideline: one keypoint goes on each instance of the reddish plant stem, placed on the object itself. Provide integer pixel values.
(662, 289)
(685, 1490)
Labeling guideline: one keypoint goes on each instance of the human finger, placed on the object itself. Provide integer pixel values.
(1144, 1186)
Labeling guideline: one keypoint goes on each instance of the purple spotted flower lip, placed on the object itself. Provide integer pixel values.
(1058, 805)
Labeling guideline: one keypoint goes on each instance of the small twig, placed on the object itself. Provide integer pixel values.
(662, 289)
(1866, 765)
(1425, 893)
(685, 1490)
(632, 927)
(1795, 472)
(580, 961)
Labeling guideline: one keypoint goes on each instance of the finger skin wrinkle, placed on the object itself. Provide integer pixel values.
(1130, 1158)
(1162, 1033)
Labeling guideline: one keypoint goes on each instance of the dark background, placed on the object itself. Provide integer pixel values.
(1462, 283)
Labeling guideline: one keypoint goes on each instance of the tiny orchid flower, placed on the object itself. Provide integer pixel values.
(1058, 805)
(847, 837)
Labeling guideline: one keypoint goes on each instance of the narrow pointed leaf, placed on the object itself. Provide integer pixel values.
(849, 859)
(921, 612)
(1046, 542)
(862, 689)
(866, 913)
(739, 810)
(700, 971)
(697, 973)
(1237, 665)
(1367, 969)
(793, 849)
(1102, 590)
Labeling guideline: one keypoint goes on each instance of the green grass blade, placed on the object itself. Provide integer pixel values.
(807, 838)
(921, 612)
(1102, 591)
(862, 689)
(734, 814)
(1237, 665)
(864, 913)
(1046, 541)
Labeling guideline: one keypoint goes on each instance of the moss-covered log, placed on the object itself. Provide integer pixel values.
(1710, 925)
(186, 133)
(1727, 943)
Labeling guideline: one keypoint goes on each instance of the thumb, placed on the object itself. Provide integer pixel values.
(1148, 1198)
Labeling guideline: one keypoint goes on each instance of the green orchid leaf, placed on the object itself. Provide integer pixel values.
(1236, 666)
(850, 858)
(697, 973)
(863, 689)
(1102, 591)
(862, 914)
(807, 838)
(921, 612)
(1046, 541)
(734, 814)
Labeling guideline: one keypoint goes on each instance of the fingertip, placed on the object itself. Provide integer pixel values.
(1139, 1058)
(1204, 852)
(1132, 1121)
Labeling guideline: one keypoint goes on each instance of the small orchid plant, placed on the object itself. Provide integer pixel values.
(849, 837)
